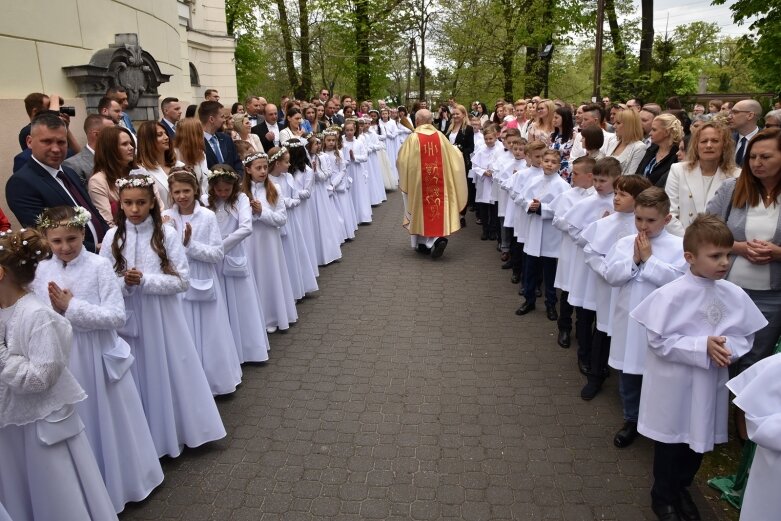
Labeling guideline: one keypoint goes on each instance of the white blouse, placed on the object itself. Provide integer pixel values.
(760, 225)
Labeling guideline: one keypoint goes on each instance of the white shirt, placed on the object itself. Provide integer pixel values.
(274, 129)
(52, 172)
(760, 225)
(172, 125)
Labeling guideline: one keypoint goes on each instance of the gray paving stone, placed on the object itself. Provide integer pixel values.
(410, 390)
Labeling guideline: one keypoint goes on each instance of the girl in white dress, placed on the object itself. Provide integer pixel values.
(391, 131)
(48, 470)
(355, 155)
(325, 221)
(332, 162)
(265, 253)
(204, 301)
(234, 218)
(389, 178)
(82, 287)
(323, 185)
(374, 166)
(297, 188)
(151, 262)
(299, 262)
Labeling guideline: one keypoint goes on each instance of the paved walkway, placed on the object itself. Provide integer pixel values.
(410, 390)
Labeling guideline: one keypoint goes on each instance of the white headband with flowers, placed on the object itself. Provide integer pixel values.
(79, 220)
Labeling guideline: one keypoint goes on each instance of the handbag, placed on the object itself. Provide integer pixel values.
(200, 290)
(235, 266)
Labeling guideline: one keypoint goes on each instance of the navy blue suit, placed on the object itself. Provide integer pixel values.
(229, 155)
(260, 130)
(31, 189)
(168, 130)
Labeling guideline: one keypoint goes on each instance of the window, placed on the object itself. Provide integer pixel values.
(195, 81)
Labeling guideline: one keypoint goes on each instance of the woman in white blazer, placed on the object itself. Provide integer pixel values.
(710, 160)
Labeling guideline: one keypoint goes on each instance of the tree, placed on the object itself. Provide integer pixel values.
(646, 37)
(763, 50)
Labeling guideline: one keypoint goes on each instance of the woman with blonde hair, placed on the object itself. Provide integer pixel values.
(628, 147)
(462, 137)
(242, 131)
(691, 184)
(542, 127)
(666, 133)
(190, 149)
(157, 157)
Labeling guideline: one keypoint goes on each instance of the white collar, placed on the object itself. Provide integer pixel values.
(52, 171)
(92, 151)
(749, 135)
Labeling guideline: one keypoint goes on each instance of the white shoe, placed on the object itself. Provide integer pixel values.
(271, 330)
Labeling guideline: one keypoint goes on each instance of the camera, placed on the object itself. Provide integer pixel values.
(68, 111)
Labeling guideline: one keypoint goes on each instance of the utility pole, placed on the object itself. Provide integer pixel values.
(598, 51)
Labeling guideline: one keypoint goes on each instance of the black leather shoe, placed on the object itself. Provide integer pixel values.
(626, 436)
(551, 313)
(484, 237)
(538, 292)
(564, 339)
(524, 309)
(665, 512)
(478, 222)
(591, 389)
(508, 265)
(515, 279)
(423, 249)
(439, 248)
(584, 367)
(687, 508)
(492, 236)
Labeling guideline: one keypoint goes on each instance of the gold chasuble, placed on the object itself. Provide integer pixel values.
(431, 175)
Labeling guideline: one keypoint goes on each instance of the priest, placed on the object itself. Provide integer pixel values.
(433, 185)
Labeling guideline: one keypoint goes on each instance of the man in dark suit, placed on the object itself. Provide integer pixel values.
(45, 183)
(172, 113)
(330, 114)
(743, 118)
(268, 130)
(218, 146)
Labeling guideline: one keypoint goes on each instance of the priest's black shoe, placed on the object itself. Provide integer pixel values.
(591, 389)
(687, 508)
(626, 436)
(551, 313)
(439, 248)
(525, 308)
(564, 338)
(423, 249)
(665, 512)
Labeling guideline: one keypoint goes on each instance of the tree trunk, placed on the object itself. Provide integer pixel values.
(422, 78)
(304, 89)
(615, 33)
(287, 42)
(646, 36)
(507, 60)
(362, 62)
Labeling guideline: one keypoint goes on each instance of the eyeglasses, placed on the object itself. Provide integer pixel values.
(733, 111)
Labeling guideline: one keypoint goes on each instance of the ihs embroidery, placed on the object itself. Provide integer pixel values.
(713, 312)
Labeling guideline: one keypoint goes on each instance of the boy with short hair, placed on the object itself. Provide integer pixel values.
(577, 219)
(600, 236)
(484, 165)
(696, 326)
(543, 241)
(582, 187)
(637, 265)
(512, 161)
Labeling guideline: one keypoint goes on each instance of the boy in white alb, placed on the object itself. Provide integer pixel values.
(582, 187)
(577, 219)
(758, 394)
(637, 265)
(543, 241)
(684, 400)
(511, 161)
(484, 165)
(600, 236)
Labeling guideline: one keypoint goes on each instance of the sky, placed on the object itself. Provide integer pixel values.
(680, 12)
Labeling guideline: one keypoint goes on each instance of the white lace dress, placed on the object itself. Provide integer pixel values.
(112, 413)
(359, 178)
(328, 237)
(301, 185)
(204, 303)
(334, 165)
(48, 469)
(177, 399)
(297, 256)
(267, 260)
(392, 145)
(238, 281)
(374, 167)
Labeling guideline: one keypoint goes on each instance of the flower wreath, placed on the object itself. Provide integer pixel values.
(252, 157)
(135, 181)
(79, 220)
(211, 175)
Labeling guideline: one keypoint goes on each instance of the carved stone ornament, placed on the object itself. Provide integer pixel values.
(123, 63)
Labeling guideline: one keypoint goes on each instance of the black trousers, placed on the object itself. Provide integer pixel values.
(675, 466)
(489, 215)
(536, 268)
(600, 352)
(584, 332)
(517, 256)
(565, 313)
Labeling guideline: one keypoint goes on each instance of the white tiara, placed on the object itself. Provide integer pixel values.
(135, 181)
(281, 152)
(79, 220)
(215, 174)
(257, 155)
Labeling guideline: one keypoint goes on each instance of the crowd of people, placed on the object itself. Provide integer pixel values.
(154, 262)
(660, 232)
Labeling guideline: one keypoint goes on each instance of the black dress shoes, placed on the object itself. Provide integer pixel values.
(508, 265)
(484, 237)
(665, 512)
(439, 248)
(626, 436)
(551, 313)
(524, 309)
(584, 367)
(423, 249)
(591, 389)
(564, 339)
(687, 509)
(515, 279)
